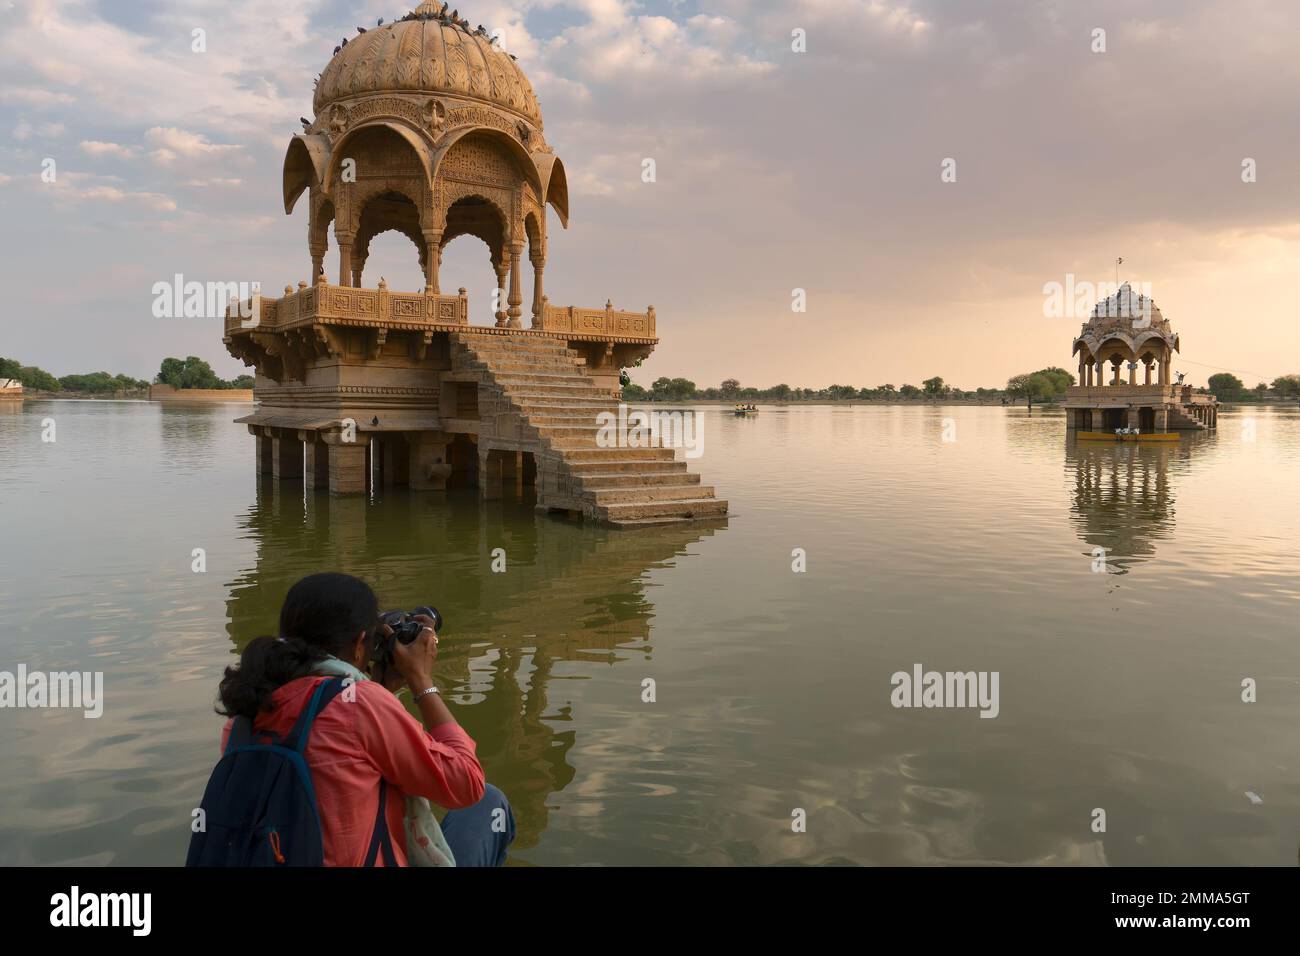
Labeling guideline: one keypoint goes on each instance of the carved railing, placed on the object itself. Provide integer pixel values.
(345, 305)
(606, 323)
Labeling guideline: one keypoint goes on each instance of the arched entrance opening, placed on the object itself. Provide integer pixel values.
(462, 267)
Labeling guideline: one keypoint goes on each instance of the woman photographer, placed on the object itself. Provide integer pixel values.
(366, 743)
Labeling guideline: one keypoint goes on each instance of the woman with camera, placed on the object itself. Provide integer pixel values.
(364, 747)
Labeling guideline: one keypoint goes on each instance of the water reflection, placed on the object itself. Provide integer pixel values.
(1123, 497)
(569, 593)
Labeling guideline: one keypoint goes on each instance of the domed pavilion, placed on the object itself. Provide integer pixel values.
(1125, 332)
(427, 127)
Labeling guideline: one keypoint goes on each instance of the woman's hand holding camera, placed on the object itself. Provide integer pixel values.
(414, 662)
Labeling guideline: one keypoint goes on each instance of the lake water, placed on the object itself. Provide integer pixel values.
(1119, 689)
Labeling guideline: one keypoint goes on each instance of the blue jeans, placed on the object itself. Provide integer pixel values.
(470, 833)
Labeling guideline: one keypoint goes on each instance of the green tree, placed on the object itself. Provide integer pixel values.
(1045, 385)
(38, 379)
(1227, 387)
(781, 392)
(193, 372)
(934, 387)
(672, 389)
(10, 368)
(92, 383)
(909, 391)
(729, 388)
(1288, 386)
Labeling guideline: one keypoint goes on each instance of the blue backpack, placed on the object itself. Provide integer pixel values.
(260, 806)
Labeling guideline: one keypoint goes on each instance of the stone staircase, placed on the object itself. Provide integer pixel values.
(543, 386)
(1181, 421)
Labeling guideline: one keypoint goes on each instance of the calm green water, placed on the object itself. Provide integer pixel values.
(1118, 690)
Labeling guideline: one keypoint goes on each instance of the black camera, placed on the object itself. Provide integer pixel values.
(405, 629)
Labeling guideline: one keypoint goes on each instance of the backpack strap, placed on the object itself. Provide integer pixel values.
(326, 691)
(380, 839)
(241, 734)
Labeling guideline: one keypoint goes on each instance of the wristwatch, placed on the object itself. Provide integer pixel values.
(425, 693)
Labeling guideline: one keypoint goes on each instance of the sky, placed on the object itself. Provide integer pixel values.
(921, 170)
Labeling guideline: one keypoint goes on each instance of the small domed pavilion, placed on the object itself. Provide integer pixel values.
(1126, 331)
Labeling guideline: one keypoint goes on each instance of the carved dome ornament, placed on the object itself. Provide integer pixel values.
(1127, 317)
(428, 51)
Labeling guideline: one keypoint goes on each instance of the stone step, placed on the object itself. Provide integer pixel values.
(548, 402)
(593, 470)
(541, 378)
(649, 493)
(633, 523)
(514, 367)
(609, 480)
(683, 508)
(586, 417)
(554, 390)
(585, 459)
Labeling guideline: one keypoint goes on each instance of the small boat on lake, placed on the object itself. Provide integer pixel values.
(743, 410)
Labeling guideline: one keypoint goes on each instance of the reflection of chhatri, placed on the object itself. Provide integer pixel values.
(573, 595)
(1128, 329)
(1123, 501)
(427, 128)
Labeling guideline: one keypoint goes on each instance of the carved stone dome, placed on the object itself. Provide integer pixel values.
(1127, 317)
(428, 52)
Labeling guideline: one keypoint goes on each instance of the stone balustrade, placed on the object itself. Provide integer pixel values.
(598, 324)
(345, 305)
(381, 308)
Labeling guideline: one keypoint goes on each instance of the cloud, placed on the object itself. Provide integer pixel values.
(171, 144)
(24, 130)
(96, 148)
(28, 96)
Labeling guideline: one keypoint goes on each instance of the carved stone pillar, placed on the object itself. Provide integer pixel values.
(502, 268)
(1132, 373)
(1148, 373)
(345, 257)
(318, 250)
(516, 297)
(538, 265)
(433, 259)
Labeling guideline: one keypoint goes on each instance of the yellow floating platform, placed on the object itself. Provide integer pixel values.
(1111, 436)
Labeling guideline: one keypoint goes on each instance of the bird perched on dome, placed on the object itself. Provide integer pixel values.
(345, 42)
(380, 22)
(304, 121)
(336, 50)
(361, 29)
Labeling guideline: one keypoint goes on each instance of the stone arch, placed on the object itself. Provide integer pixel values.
(473, 214)
(305, 164)
(413, 139)
(526, 170)
(557, 192)
(376, 206)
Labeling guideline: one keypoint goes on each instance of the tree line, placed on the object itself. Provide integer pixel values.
(1043, 386)
(190, 372)
(1228, 388)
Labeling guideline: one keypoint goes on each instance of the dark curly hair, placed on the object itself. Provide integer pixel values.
(321, 616)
